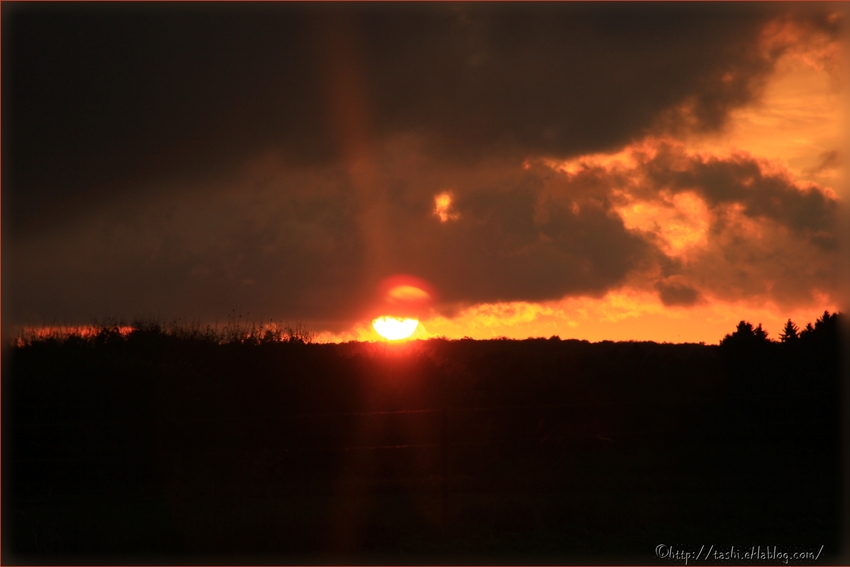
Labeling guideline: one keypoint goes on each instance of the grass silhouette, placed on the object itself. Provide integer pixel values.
(179, 443)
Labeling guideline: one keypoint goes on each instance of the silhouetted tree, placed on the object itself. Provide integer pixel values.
(824, 331)
(745, 335)
(826, 323)
(191, 411)
(746, 355)
(789, 332)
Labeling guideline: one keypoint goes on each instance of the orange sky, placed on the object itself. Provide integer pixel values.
(586, 171)
(792, 129)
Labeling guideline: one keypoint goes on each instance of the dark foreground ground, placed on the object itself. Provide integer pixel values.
(152, 448)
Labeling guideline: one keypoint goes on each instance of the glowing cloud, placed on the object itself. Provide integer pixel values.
(442, 207)
(407, 293)
(802, 102)
(679, 222)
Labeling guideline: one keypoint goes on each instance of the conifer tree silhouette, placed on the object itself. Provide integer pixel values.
(790, 332)
(746, 355)
(745, 335)
(826, 323)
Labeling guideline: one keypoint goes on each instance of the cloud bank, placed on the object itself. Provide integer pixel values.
(302, 245)
(281, 160)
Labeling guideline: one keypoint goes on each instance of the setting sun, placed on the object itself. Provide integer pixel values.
(363, 281)
(394, 328)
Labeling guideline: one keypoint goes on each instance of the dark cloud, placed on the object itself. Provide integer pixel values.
(289, 244)
(768, 238)
(744, 180)
(272, 247)
(102, 99)
(829, 161)
(676, 294)
(501, 249)
(768, 265)
(281, 159)
(298, 244)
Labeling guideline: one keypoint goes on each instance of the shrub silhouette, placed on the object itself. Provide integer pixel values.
(210, 419)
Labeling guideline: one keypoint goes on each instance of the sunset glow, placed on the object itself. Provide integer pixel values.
(394, 328)
(697, 178)
(404, 293)
(442, 207)
(435, 260)
(678, 221)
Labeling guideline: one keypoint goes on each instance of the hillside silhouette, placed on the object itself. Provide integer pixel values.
(168, 446)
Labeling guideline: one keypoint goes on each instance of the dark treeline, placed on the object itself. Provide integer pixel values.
(182, 447)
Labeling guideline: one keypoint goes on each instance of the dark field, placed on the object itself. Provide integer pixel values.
(158, 448)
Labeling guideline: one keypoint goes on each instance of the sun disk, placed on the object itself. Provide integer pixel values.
(394, 328)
